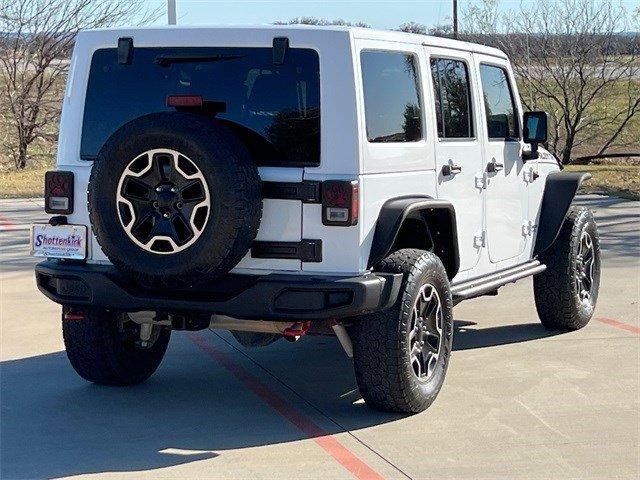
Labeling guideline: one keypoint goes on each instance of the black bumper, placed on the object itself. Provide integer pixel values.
(273, 296)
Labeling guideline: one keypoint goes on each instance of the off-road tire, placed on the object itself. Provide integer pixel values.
(102, 348)
(380, 340)
(555, 292)
(234, 189)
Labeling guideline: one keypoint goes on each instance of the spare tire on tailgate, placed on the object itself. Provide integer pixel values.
(174, 198)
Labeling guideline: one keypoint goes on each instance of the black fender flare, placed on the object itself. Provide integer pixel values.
(393, 214)
(559, 191)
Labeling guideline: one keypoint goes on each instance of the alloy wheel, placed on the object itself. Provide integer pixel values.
(584, 269)
(425, 335)
(163, 201)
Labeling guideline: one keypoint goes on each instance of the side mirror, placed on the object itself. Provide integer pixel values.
(535, 132)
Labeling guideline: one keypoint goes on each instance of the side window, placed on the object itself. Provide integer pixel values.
(452, 98)
(499, 104)
(392, 103)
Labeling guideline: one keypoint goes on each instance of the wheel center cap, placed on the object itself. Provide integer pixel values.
(166, 196)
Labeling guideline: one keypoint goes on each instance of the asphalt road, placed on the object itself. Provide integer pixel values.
(519, 402)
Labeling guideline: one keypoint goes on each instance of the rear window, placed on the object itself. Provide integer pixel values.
(274, 108)
(392, 103)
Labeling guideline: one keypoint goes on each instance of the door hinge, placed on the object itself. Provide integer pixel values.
(528, 228)
(481, 181)
(479, 239)
(305, 250)
(307, 191)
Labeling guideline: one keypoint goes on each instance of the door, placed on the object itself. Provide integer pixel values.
(506, 199)
(458, 152)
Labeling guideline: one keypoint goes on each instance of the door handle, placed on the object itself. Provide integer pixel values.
(451, 169)
(493, 167)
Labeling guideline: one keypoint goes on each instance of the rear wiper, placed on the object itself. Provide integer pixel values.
(167, 60)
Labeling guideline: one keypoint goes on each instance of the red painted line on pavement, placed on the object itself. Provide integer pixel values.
(618, 324)
(324, 439)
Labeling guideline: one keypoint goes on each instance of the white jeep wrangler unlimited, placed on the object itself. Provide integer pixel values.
(277, 181)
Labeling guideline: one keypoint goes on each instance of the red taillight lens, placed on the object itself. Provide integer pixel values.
(58, 192)
(340, 203)
(185, 101)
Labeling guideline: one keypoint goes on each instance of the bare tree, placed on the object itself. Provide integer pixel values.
(320, 22)
(440, 30)
(413, 27)
(36, 37)
(573, 62)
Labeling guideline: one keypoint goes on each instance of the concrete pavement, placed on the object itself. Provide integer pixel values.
(519, 402)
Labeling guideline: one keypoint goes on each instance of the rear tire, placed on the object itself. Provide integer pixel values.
(103, 348)
(567, 291)
(391, 375)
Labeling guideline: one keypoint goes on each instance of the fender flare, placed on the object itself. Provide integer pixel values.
(393, 214)
(559, 191)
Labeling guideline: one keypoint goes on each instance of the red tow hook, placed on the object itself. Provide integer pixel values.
(296, 331)
(74, 316)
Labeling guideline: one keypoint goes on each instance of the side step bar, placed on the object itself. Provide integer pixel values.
(480, 286)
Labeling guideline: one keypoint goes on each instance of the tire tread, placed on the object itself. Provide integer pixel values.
(553, 289)
(92, 348)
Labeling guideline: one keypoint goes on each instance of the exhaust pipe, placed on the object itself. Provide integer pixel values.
(290, 330)
(215, 322)
(222, 322)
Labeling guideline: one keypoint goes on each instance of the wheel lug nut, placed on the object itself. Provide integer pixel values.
(179, 205)
(166, 215)
(174, 189)
(155, 204)
(158, 189)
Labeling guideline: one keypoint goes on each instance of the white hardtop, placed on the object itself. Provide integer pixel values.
(251, 33)
(426, 40)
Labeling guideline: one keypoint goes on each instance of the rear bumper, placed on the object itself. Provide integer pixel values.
(273, 296)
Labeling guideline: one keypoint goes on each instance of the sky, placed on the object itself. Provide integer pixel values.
(377, 13)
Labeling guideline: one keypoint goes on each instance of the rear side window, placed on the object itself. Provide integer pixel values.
(274, 108)
(499, 103)
(452, 98)
(392, 103)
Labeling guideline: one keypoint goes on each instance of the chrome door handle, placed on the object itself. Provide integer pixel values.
(493, 167)
(450, 169)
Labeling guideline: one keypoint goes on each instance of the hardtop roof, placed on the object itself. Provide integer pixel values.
(354, 32)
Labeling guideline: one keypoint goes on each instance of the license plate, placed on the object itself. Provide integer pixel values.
(60, 241)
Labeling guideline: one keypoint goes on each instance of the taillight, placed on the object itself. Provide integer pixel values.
(340, 203)
(58, 192)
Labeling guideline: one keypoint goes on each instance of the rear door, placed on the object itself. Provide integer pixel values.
(458, 151)
(506, 198)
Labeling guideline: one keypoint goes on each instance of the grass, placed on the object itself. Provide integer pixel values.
(30, 181)
(611, 179)
(23, 183)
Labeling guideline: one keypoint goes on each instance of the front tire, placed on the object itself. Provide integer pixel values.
(103, 347)
(567, 291)
(401, 354)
